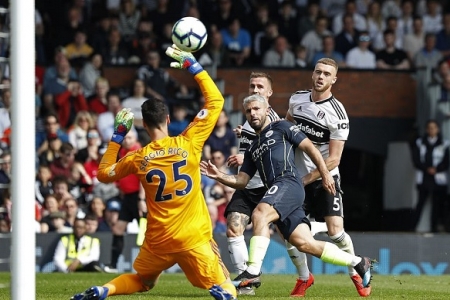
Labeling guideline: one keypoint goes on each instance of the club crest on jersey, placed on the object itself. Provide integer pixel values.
(320, 115)
(269, 133)
(202, 114)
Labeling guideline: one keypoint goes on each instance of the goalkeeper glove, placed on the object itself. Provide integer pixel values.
(122, 125)
(185, 60)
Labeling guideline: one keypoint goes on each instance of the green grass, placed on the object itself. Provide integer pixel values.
(56, 286)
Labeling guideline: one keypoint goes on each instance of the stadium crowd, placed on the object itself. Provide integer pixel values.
(75, 106)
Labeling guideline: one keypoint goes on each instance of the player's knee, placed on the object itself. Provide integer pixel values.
(236, 224)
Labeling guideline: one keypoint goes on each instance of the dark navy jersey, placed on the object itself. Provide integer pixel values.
(271, 153)
(247, 136)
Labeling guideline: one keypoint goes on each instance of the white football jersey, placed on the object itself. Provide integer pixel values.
(321, 122)
(247, 136)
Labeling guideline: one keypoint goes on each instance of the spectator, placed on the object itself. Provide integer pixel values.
(91, 223)
(105, 121)
(5, 173)
(375, 20)
(301, 56)
(43, 184)
(391, 58)
(52, 152)
(159, 83)
(441, 71)
(79, 50)
(72, 212)
(116, 52)
(431, 159)
(58, 223)
(5, 224)
(217, 202)
(78, 251)
(429, 56)
(443, 106)
(51, 128)
(237, 42)
(59, 83)
(406, 19)
(307, 21)
(333, 7)
(111, 217)
(348, 38)
(359, 22)
(287, 22)
(279, 55)
(90, 72)
(129, 18)
(223, 14)
(90, 151)
(214, 52)
(392, 25)
(443, 37)
(361, 57)
(432, 20)
(413, 42)
(312, 40)
(69, 103)
(264, 40)
(179, 120)
(97, 102)
(328, 50)
(5, 120)
(61, 190)
(96, 207)
(163, 13)
(222, 138)
(78, 133)
(134, 103)
(391, 8)
(100, 34)
(50, 206)
(261, 18)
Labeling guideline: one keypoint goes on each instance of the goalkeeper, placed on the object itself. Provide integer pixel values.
(179, 228)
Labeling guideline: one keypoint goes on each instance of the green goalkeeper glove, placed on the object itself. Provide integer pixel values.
(122, 125)
(185, 60)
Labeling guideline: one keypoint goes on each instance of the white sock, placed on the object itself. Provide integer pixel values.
(299, 260)
(317, 227)
(344, 242)
(257, 251)
(238, 253)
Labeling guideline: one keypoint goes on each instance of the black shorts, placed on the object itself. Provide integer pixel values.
(289, 224)
(245, 201)
(286, 195)
(129, 209)
(319, 203)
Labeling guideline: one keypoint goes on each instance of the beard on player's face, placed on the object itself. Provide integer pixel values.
(258, 124)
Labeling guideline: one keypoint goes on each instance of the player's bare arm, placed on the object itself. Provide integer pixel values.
(290, 118)
(332, 161)
(327, 180)
(238, 181)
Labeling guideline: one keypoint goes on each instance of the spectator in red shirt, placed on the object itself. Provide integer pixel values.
(69, 103)
(98, 101)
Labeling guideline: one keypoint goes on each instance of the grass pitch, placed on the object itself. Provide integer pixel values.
(56, 286)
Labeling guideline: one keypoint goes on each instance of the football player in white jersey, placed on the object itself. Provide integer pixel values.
(243, 202)
(324, 121)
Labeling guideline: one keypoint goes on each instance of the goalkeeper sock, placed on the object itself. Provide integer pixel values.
(126, 284)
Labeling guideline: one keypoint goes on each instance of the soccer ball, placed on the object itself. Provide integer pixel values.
(189, 34)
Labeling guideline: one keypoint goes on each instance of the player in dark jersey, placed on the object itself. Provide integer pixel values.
(243, 202)
(272, 155)
(323, 119)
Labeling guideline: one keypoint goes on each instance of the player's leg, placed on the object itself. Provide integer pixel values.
(204, 269)
(128, 212)
(148, 267)
(302, 238)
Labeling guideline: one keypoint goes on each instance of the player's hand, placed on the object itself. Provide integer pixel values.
(328, 184)
(207, 168)
(122, 125)
(238, 131)
(235, 160)
(185, 60)
(73, 266)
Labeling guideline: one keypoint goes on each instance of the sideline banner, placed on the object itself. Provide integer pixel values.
(396, 253)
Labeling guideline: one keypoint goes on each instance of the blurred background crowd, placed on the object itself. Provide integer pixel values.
(75, 105)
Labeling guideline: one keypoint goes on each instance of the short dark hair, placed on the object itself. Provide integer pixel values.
(154, 112)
